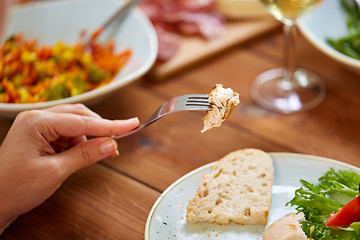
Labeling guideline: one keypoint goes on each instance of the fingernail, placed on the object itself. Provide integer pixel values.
(133, 119)
(109, 148)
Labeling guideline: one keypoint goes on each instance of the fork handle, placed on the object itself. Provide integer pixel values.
(135, 130)
(123, 11)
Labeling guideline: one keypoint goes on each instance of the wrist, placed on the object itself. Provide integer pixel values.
(2, 228)
(5, 217)
(5, 225)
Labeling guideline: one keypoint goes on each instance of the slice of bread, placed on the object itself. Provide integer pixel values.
(238, 188)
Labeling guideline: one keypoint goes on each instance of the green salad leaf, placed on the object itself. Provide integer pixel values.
(350, 44)
(317, 202)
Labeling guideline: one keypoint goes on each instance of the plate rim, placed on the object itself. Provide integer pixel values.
(327, 50)
(272, 154)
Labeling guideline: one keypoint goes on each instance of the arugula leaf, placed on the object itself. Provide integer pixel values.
(317, 202)
(349, 44)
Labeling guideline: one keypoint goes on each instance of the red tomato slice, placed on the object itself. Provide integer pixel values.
(346, 215)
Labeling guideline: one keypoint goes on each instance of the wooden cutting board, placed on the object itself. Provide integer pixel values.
(194, 50)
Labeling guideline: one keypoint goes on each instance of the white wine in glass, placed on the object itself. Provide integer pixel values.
(288, 89)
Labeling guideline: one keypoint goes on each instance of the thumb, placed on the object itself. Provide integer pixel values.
(87, 153)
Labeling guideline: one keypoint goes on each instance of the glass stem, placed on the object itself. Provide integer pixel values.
(289, 54)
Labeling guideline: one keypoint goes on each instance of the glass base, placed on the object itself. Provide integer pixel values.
(305, 92)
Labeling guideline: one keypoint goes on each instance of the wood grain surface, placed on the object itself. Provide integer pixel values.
(111, 199)
(194, 50)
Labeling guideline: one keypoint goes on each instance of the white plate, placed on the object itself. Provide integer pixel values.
(53, 21)
(167, 217)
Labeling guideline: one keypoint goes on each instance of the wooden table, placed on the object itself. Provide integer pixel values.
(112, 199)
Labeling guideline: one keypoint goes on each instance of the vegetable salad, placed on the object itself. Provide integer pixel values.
(29, 73)
(318, 202)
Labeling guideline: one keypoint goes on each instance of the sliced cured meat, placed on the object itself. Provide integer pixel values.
(168, 44)
(186, 17)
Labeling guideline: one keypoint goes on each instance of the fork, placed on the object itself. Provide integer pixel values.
(191, 102)
(119, 16)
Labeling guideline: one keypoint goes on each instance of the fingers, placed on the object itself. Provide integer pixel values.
(73, 125)
(53, 125)
(64, 143)
(72, 140)
(76, 140)
(85, 154)
(79, 109)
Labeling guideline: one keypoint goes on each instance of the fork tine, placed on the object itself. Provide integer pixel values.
(198, 105)
(197, 96)
(197, 100)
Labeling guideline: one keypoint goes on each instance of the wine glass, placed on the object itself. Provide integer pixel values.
(288, 89)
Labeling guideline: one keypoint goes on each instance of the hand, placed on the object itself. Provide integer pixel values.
(31, 169)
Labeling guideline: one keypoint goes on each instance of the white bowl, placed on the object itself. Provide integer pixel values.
(55, 21)
(328, 21)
